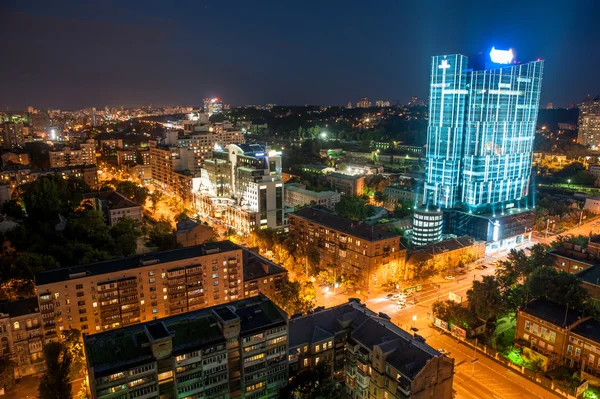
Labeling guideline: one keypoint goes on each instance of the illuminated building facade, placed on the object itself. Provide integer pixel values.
(482, 118)
(213, 106)
(589, 123)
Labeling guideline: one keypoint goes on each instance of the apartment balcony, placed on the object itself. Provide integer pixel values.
(178, 281)
(129, 300)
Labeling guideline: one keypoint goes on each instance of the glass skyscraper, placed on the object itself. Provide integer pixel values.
(482, 118)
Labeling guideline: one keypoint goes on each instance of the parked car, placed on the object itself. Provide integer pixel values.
(443, 351)
(390, 295)
(449, 277)
(396, 296)
(482, 267)
(401, 305)
(413, 302)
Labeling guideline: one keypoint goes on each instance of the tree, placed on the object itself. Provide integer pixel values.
(485, 299)
(13, 209)
(294, 297)
(403, 208)
(55, 382)
(161, 236)
(155, 198)
(132, 191)
(557, 286)
(314, 383)
(50, 195)
(7, 373)
(125, 234)
(341, 167)
(180, 216)
(73, 344)
(354, 208)
(379, 196)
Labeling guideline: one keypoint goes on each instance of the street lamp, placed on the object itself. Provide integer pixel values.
(323, 135)
(414, 318)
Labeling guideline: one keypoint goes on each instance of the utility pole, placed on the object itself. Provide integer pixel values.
(547, 225)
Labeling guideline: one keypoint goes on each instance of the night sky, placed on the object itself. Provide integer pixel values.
(76, 54)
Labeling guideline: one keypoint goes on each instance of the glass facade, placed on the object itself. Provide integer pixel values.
(480, 134)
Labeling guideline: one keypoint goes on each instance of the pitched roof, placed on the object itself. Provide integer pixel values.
(256, 267)
(552, 312)
(323, 216)
(589, 329)
(114, 199)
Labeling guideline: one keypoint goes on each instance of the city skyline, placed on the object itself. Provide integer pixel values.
(77, 57)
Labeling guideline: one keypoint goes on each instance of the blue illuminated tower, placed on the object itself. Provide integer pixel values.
(482, 118)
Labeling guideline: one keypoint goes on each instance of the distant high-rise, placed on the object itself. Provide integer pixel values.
(11, 135)
(589, 122)
(382, 103)
(550, 106)
(482, 119)
(363, 103)
(213, 106)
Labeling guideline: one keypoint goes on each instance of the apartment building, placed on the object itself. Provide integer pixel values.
(372, 356)
(80, 154)
(115, 206)
(371, 254)
(15, 175)
(116, 293)
(174, 169)
(297, 195)
(21, 335)
(236, 351)
(12, 135)
(189, 232)
(346, 184)
(125, 157)
(15, 157)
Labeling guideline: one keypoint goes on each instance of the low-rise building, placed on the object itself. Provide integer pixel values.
(297, 195)
(346, 184)
(190, 232)
(397, 193)
(371, 355)
(370, 254)
(21, 335)
(450, 253)
(115, 206)
(592, 204)
(238, 350)
(261, 276)
(545, 327)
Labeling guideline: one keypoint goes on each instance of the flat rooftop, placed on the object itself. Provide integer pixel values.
(113, 351)
(310, 193)
(132, 262)
(325, 217)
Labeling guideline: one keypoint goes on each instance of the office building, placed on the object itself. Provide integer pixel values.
(80, 154)
(371, 255)
(372, 356)
(21, 337)
(482, 120)
(297, 195)
(588, 132)
(238, 351)
(346, 184)
(248, 178)
(116, 293)
(213, 106)
(12, 135)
